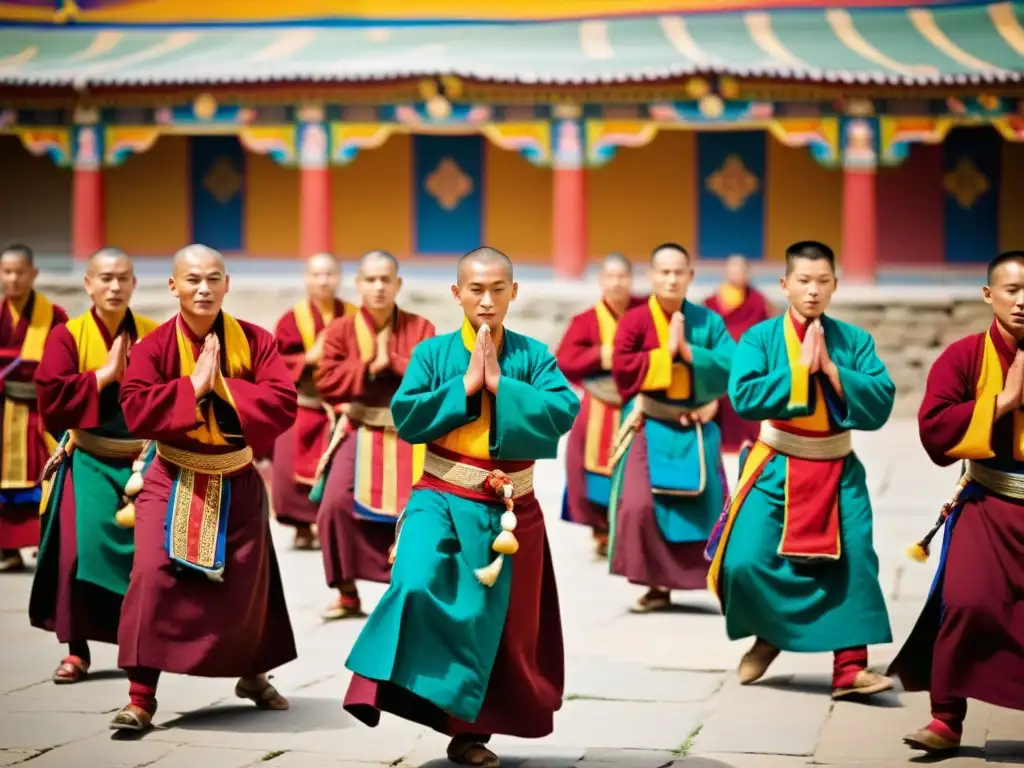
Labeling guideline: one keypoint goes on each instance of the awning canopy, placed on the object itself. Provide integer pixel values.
(935, 45)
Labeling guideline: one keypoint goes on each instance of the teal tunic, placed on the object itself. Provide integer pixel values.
(806, 606)
(672, 449)
(437, 629)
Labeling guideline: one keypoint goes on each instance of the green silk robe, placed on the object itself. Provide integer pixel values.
(805, 606)
(437, 629)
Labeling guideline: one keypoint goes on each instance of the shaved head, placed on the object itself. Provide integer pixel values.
(617, 260)
(199, 282)
(104, 254)
(322, 260)
(110, 282)
(323, 276)
(377, 256)
(196, 252)
(483, 256)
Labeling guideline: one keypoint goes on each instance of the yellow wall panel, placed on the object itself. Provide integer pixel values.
(1011, 198)
(517, 205)
(373, 201)
(271, 218)
(803, 201)
(147, 200)
(35, 203)
(643, 197)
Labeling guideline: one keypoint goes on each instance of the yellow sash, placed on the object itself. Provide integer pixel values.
(236, 353)
(38, 327)
(596, 435)
(817, 421)
(607, 324)
(92, 348)
(731, 297)
(681, 386)
(366, 338)
(307, 325)
(977, 440)
(473, 439)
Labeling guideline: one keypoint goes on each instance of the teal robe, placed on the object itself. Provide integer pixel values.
(805, 606)
(672, 448)
(436, 630)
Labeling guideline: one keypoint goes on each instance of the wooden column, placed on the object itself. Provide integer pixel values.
(315, 197)
(859, 259)
(569, 222)
(88, 219)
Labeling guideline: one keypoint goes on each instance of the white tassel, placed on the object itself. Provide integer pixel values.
(488, 575)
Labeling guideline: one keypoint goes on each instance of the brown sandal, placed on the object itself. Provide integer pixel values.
(469, 752)
(71, 670)
(132, 718)
(654, 600)
(266, 697)
(344, 607)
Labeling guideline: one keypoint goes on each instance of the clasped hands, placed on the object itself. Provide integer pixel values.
(483, 371)
(204, 375)
(814, 352)
(677, 343)
(1010, 399)
(117, 361)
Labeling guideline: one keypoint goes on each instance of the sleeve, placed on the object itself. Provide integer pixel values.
(67, 399)
(868, 391)
(155, 408)
(289, 344)
(635, 369)
(759, 390)
(423, 329)
(267, 405)
(711, 364)
(424, 411)
(341, 374)
(578, 357)
(530, 417)
(954, 423)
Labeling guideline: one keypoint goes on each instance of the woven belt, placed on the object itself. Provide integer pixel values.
(20, 390)
(604, 389)
(106, 447)
(1004, 483)
(310, 401)
(473, 478)
(370, 416)
(659, 411)
(206, 463)
(828, 448)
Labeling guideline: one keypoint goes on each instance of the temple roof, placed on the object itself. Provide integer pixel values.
(937, 44)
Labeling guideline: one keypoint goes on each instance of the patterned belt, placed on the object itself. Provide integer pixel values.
(106, 447)
(659, 411)
(20, 390)
(1004, 483)
(370, 416)
(604, 389)
(473, 478)
(206, 463)
(829, 448)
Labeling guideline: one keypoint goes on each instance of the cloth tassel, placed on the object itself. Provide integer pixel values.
(125, 516)
(921, 551)
(506, 542)
(488, 575)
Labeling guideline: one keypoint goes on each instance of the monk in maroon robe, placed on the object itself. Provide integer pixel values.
(969, 641)
(299, 335)
(26, 319)
(205, 596)
(741, 306)
(363, 362)
(86, 553)
(585, 357)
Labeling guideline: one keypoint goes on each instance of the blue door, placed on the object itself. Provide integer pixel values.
(217, 180)
(449, 194)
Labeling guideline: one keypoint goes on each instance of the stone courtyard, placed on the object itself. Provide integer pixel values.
(641, 691)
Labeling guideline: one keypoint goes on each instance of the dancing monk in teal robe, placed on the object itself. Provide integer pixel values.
(793, 559)
(466, 641)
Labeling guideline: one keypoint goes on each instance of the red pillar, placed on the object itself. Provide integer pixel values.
(315, 211)
(88, 226)
(570, 222)
(860, 226)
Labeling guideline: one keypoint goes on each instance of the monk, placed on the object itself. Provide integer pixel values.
(671, 364)
(585, 357)
(793, 562)
(742, 307)
(467, 639)
(26, 319)
(969, 640)
(372, 470)
(205, 595)
(88, 542)
(299, 335)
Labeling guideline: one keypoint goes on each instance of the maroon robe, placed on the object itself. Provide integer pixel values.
(70, 399)
(180, 621)
(579, 358)
(19, 519)
(754, 309)
(354, 548)
(969, 641)
(298, 450)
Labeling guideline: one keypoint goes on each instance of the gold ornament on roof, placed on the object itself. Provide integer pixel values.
(448, 184)
(733, 183)
(222, 180)
(965, 183)
(204, 107)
